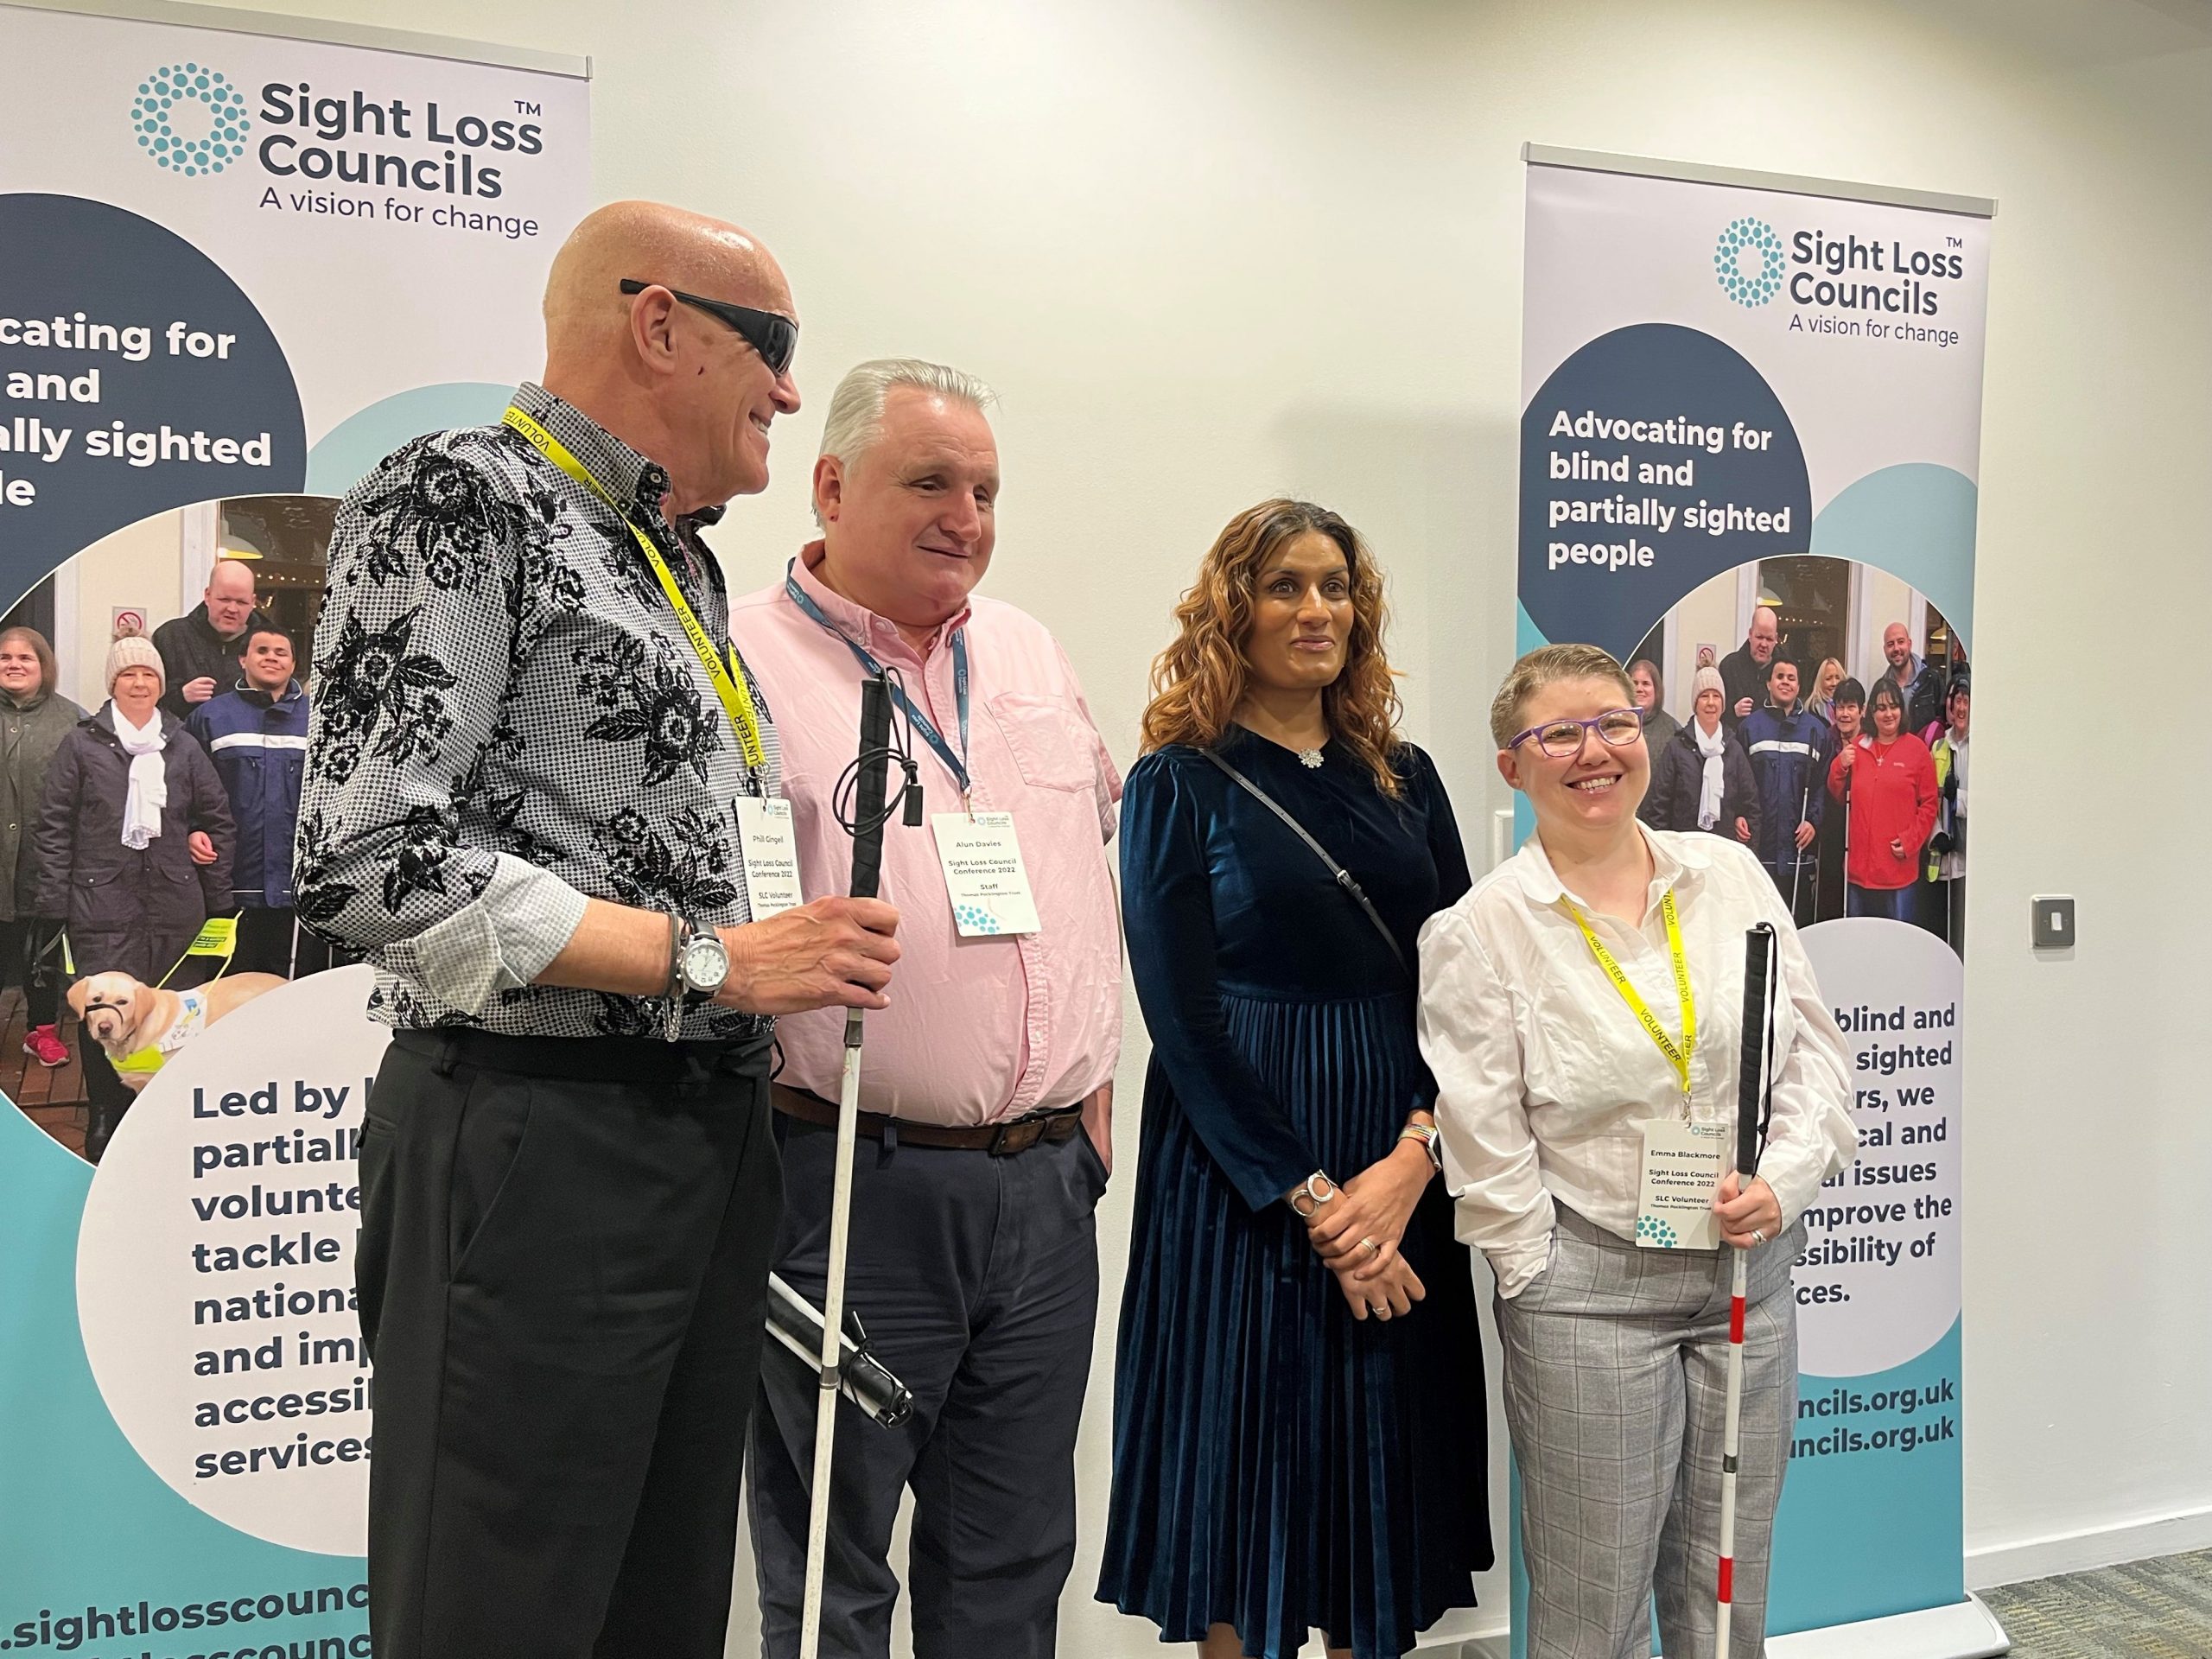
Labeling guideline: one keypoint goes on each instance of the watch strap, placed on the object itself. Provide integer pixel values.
(679, 931)
(1427, 1135)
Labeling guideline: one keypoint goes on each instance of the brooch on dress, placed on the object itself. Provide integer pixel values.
(1310, 759)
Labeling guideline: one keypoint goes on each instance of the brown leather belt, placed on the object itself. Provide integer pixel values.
(1000, 1140)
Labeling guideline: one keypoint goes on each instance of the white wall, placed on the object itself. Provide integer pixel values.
(1883, 598)
(137, 566)
(1213, 249)
(1711, 613)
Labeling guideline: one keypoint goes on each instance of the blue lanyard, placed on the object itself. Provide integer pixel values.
(956, 764)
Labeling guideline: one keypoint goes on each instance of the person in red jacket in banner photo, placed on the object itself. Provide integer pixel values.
(1887, 782)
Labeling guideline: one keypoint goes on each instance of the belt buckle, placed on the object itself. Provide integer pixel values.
(1006, 1142)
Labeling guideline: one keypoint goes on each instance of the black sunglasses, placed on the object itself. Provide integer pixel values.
(775, 338)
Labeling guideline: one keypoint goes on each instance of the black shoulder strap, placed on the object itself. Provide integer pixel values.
(1343, 877)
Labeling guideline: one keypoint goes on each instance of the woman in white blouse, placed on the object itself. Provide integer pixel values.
(1616, 1352)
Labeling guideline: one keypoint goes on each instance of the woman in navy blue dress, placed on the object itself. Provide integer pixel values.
(1298, 1405)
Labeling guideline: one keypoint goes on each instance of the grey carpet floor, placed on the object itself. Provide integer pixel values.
(2148, 1610)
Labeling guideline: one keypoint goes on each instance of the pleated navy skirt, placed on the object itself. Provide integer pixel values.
(1279, 1465)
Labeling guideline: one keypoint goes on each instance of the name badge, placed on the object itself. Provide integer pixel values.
(1682, 1166)
(984, 874)
(769, 845)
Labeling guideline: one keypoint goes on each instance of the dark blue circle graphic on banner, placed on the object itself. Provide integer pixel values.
(135, 375)
(1653, 459)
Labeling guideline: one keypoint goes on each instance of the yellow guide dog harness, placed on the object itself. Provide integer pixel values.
(218, 938)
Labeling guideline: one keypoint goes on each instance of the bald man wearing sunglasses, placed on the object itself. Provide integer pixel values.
(531, 736)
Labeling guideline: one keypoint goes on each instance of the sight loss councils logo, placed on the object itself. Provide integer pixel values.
(1748, 261)
(190, 119)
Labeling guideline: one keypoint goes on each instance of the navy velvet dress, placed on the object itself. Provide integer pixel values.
(1279, 1465)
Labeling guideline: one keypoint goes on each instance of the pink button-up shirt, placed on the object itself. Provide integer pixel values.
(981, 1030)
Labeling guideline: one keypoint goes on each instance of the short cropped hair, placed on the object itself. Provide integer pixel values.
(1548, 666)
(855, 418)
(1849, 691)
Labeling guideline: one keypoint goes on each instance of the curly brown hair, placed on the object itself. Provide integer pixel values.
(1199, 679)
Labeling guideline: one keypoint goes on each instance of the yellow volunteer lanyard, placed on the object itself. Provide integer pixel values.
(728, 678)
(1678, 1054)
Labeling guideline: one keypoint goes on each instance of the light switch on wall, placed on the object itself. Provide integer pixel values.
(2052, 921)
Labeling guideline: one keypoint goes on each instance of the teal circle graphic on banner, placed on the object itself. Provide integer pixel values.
(1915, 520)
(159, 113)
(1748, 288)
(345, 455)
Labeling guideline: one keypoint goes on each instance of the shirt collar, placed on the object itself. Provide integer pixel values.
(856, 622)
(628, 476)
(1678, 862)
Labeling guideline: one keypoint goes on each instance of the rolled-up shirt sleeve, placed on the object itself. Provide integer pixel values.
(413, 656)
(1468, 1038)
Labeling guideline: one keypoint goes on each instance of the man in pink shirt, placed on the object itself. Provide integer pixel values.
(986, 1086)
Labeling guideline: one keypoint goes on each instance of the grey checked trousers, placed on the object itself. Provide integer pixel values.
(1615, 1384)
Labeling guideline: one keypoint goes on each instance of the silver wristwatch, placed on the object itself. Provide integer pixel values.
(703, 961)
(700, 965)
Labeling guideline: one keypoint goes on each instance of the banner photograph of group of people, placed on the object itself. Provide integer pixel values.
(1818, 710)
(146, 889)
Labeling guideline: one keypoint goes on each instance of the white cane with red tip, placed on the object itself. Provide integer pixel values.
(869, 772)
(1750, 1096)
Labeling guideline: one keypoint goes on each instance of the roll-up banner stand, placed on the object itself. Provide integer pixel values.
(242, 259)
(1751, 411)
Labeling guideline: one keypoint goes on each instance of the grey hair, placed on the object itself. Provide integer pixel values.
(855, 418)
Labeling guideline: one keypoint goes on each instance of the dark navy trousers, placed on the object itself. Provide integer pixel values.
(977, 1279)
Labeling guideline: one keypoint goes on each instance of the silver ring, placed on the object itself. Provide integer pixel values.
(1757, 1238)
(1372, 1246)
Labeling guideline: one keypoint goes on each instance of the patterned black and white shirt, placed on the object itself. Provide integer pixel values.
(509, 719)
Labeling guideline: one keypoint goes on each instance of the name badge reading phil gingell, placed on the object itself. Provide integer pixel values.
(769, 846)
(984, 874)
(1682, 1165)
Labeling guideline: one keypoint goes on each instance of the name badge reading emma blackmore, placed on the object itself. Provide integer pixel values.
(1682, 1164)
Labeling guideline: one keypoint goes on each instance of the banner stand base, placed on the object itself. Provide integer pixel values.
(1964, 1629)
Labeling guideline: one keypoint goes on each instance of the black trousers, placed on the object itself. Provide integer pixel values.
(563, 1274)
(21, 942)
(977, 1279)
(270, 941)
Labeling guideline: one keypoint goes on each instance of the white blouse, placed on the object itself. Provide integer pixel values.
(1543, 1073)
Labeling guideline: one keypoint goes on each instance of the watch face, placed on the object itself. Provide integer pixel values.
(706, 965)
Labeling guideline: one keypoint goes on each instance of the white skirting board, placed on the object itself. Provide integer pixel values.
(2091, 1548)
(1965, 1630)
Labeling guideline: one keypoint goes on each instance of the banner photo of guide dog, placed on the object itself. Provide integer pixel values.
(154, 701)
(1818, 710)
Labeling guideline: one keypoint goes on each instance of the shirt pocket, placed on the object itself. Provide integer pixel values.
(1052, 744)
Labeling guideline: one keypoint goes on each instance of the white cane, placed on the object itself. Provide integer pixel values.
(1798, 852)
(1847, 772)
(1751, 1093)
(867, 824)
